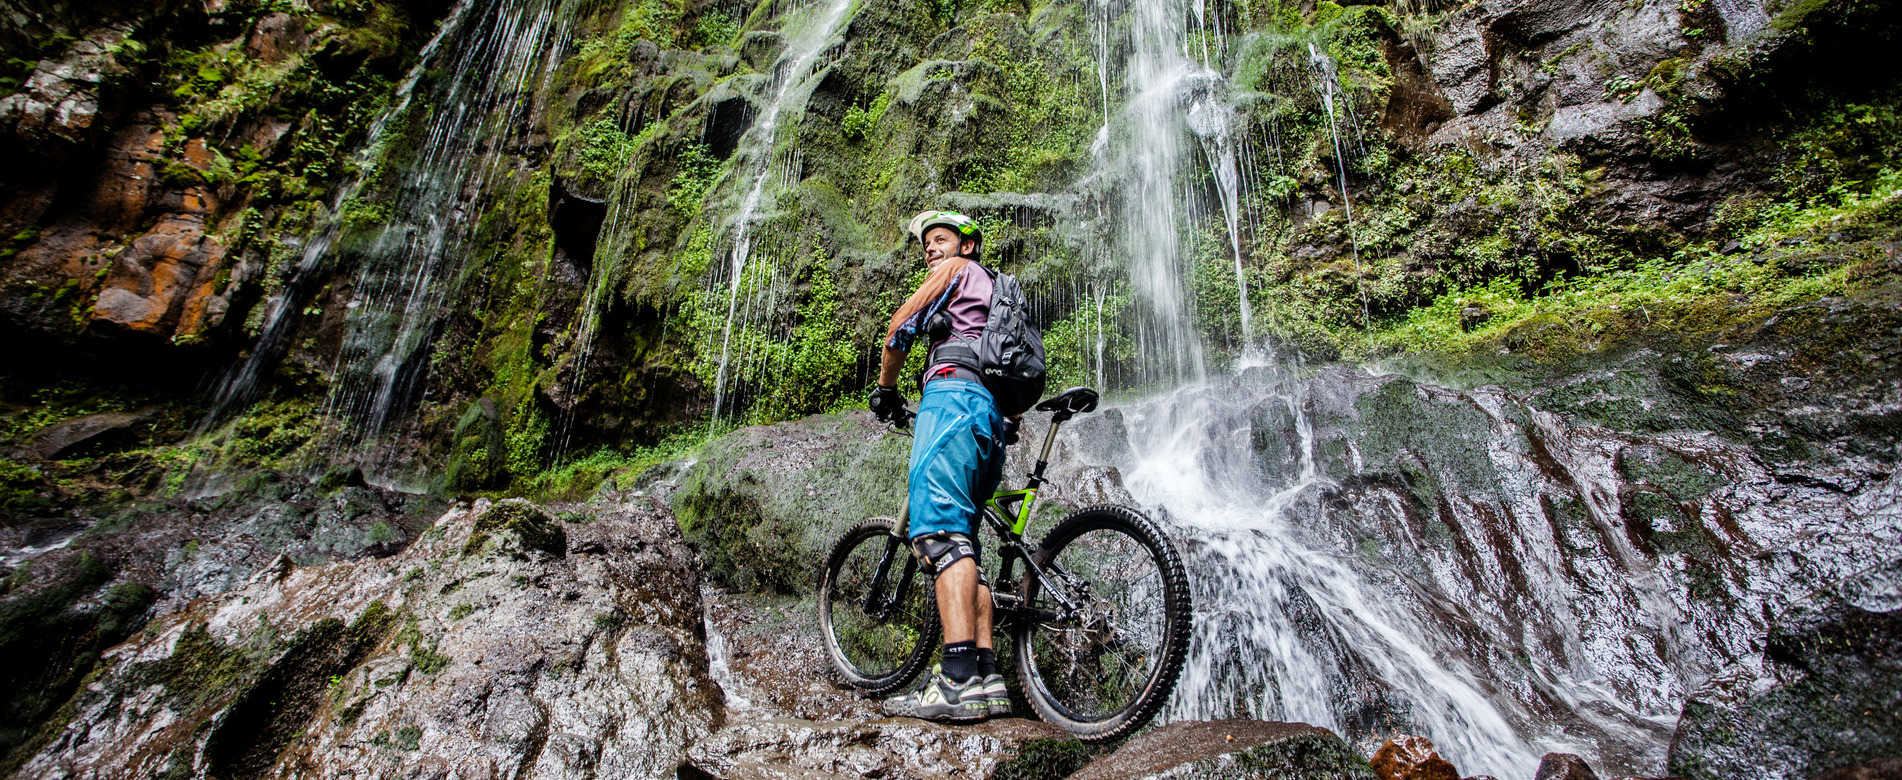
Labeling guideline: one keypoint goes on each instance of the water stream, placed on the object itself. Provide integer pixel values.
(1286, 631)
(790, 86)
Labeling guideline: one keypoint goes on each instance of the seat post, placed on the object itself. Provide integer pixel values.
(1049, 439)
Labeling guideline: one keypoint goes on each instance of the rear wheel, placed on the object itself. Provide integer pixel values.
(878, 617)
(1104, 665)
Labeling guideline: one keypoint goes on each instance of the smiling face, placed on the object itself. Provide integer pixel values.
(943, 243)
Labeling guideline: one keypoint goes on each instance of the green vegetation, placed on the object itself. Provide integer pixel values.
(697, 168)
(860, 121)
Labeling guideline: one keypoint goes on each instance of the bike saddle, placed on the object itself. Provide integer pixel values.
(1076, 400)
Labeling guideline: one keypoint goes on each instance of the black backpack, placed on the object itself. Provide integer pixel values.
(1008, 354)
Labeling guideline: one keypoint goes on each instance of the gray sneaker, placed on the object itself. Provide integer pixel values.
(997, 695)
(942, 700)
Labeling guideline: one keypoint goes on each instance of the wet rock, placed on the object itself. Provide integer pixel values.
(1881, 769)
(428, 663)
(277, 37)
(764, 504)
(60, 102)
(898, 748)
(1231, 748)
(91, 431)
(165, 282)
(1564, 766)
(1411, 758)
(1832, 698)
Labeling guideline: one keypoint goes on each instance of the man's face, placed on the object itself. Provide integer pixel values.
(941, 244)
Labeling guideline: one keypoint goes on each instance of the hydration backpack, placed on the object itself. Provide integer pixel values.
(1008, 354)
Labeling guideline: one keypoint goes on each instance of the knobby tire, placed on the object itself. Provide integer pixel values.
(877, 656)
(1077, 677)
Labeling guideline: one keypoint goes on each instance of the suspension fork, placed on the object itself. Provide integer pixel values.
(872, 604)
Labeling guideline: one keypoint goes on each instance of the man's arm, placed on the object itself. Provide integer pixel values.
(892, 358)
(889, 365)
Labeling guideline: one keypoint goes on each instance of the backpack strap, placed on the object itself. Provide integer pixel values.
(959, 351)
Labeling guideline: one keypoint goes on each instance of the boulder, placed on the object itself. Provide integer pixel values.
(897, 748)
(764, 504)
(1564, 766)
(1237, 749)
(67, 438)
(1411, 758)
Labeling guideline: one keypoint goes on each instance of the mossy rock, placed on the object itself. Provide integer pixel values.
(521, 525)
(764, 504)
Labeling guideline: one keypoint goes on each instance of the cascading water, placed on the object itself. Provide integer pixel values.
(238, 386)
(789, 87)
(1143, 151)
(1285, 631)
(410, 258)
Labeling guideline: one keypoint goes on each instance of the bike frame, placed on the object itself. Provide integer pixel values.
(1007, 514)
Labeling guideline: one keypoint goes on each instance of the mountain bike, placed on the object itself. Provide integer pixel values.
(1098, 613)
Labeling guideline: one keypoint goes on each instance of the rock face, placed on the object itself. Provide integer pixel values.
(902, 749)
(478, 652)
(1234, 749)
(1832, 699)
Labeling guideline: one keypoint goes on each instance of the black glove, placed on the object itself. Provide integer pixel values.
(886, 402)
(1011, 424)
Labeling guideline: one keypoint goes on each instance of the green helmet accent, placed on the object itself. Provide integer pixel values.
(927, 220)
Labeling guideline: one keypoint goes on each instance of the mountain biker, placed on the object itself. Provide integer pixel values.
(957, 459)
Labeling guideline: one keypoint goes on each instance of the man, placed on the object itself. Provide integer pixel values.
(957, 458)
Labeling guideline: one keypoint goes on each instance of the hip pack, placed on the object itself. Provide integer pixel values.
(1008, 354)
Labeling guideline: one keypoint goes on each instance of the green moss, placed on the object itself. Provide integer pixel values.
(531, 527)
(696, 169)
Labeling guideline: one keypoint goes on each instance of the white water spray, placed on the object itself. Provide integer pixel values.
(1329, 83)
(791, 85)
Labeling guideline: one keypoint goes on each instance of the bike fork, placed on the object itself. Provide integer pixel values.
(880, 608)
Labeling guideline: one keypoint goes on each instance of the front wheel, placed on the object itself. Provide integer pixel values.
(878, 616)
(1104, 664)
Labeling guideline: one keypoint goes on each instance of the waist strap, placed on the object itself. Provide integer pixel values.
(952, 371)
(957, 352)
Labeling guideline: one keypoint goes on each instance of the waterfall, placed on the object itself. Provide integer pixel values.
(1285, 629)
(790, 85)
(1281, 626)
(481, 70)
(240, 384)
(1143, 147)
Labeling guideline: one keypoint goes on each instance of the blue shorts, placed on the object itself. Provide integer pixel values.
(957, 457)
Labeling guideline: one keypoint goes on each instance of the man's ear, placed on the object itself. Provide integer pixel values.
(966, 246)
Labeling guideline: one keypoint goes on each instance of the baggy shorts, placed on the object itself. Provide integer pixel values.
(957, 457)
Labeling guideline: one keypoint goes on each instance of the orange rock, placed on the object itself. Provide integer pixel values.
(155, 285)
(1411, 758)
(198, 155)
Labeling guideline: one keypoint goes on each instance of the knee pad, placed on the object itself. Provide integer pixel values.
(936, 552)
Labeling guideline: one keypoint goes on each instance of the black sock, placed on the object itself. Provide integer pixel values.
(960, 660)
(986, 661)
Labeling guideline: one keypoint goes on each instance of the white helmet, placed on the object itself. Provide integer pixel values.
(927, 220)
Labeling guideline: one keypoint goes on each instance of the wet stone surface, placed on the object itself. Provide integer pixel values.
(467, 655)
